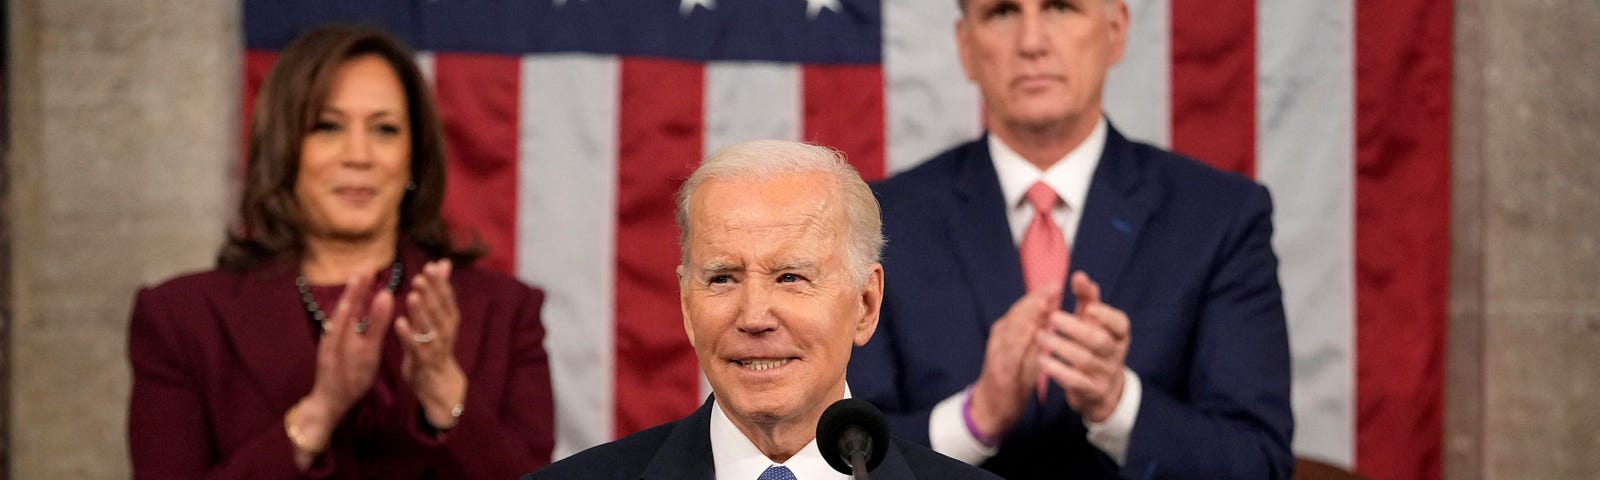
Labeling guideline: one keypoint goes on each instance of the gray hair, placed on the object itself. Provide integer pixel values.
(767, 159)
(962, 5)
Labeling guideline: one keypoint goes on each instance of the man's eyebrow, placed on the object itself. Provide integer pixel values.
(719, 267)
(795, 265)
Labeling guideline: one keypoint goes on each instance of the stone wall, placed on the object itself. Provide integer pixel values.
(1524, 364)
(124, 142)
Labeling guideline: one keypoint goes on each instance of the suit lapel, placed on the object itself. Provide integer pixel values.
(267, 326)
(686, 452)
(894, 465)
(982, 235)
(1114, 215)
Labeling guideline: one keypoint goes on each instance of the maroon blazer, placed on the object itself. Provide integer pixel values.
(219, 357)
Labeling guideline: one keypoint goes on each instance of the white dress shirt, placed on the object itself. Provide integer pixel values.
(1069, 177)
(736, 458)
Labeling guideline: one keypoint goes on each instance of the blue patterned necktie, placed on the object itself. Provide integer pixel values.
(777, 472)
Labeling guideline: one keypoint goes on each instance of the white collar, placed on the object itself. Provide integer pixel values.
(1069, 176)
(736, 458)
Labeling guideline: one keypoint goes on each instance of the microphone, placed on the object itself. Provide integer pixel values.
(853, 437)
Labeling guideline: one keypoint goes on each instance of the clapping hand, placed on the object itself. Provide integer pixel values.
(1009, 371)
(348, 354)
(1084, 352)
(428, 335)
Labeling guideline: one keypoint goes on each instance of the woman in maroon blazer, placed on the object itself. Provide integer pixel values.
(341, 335)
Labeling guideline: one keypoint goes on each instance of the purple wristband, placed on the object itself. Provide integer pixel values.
(972, 427)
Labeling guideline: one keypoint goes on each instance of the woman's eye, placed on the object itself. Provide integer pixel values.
(323, 126)
(388, 130)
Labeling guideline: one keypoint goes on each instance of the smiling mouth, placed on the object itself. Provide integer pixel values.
(763, 364)
(356, 193)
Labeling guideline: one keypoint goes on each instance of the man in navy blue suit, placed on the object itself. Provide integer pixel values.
(1163, 355)
(779, 279)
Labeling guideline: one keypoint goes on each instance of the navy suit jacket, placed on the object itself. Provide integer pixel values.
(682, 450)
(1184, 249)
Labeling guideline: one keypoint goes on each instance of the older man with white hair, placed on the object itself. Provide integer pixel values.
(779, 281)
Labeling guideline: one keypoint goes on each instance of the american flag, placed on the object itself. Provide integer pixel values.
(571, 122)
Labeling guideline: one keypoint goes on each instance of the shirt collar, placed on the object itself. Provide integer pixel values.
(1069, 176)
(736, 458)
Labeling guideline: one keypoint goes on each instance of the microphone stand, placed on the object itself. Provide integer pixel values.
(859, 439)
(858, 464)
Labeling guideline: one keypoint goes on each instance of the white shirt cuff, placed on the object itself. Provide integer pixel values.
(948, 434)
(1111, 436)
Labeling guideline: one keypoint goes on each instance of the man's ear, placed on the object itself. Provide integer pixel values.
(963, 29)
(1118, 19)
(871, 305)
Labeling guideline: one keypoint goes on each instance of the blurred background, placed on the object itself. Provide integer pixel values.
(1432, 162)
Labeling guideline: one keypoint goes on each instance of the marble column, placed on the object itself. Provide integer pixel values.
(1524, 363)
(124, 127)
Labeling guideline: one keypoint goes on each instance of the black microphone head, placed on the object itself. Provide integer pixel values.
(845, 426)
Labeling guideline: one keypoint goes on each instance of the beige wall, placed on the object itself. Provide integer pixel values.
(124, 129)
(119, 111)
(1524, 381)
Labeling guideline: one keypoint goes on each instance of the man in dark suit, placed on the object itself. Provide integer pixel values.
(779, 279)
(1165, 353)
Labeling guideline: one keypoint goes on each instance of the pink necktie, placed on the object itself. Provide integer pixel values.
(1044, 250)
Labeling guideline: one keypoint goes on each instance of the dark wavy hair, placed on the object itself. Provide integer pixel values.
(271, 223)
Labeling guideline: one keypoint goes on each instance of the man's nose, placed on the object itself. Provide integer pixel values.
(755, 315)
(1032, 39)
